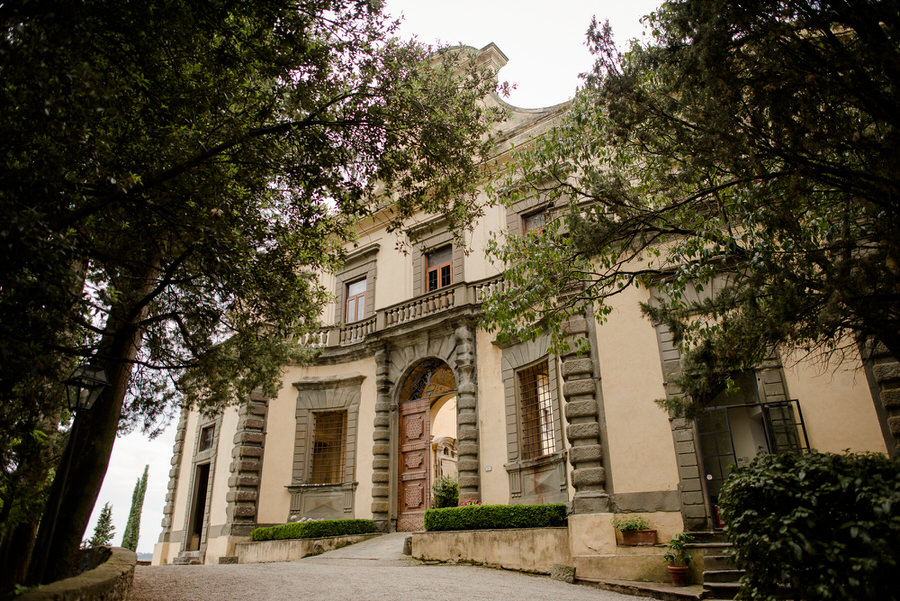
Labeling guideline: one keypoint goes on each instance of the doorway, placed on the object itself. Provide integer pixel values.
(426, 397)
(198, 508)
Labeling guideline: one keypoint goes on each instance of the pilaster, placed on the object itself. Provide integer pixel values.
(469, 473)
(246, 467)
(174, 473)
(381, 447)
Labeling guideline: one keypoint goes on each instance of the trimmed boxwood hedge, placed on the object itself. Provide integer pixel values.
(484, 517)
(314, 529)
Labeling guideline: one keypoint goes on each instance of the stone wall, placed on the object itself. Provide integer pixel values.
(293, 549)
(528, 549)
(110, 581)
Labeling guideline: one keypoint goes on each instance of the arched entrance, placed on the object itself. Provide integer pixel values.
(430, 385)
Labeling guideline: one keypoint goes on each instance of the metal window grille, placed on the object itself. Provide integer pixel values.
(537, 411)
(328, 447)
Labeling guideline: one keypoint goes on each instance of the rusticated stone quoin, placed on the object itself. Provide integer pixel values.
(381, 449)
(883, 373)
(177, 451)
(581, 391)
(243, 486)
(467, 414)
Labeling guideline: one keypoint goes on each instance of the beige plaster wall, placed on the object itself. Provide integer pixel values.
(836, 403)
(641, 450)
(491, 421)
(281, 424)
(443, 418)
(477, 265)
(227, 430)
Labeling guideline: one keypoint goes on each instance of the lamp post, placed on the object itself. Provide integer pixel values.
(83, 388)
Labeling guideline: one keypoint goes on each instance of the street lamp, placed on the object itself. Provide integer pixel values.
(84, 386)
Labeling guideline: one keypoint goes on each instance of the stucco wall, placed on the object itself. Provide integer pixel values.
(274, 498)
(491, 421)
(641, 450)
(526, 549)
(836, 402)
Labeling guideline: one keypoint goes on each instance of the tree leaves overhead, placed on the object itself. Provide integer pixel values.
(743, 164)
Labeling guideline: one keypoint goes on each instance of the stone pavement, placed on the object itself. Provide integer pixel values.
(374, 570)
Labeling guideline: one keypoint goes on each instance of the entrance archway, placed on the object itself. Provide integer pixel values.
(430, 383)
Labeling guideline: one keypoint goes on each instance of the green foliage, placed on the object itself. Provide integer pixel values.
(676, 550)
(742, 165)
(104, 529)
(313, 529)
(825, 525)
(484, 517)
(175, 175)
(636, 522)
(445, 492)
(133, 528)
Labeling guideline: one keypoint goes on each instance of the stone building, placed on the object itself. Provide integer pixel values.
(408, 387)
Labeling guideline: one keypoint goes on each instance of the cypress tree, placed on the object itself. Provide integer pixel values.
(104, 530)
(133, 528)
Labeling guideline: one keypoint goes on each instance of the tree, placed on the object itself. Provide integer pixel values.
(744, 165)
(133, 528)
(103, 529)
(174, 176)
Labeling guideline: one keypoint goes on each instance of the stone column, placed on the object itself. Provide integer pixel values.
(468, 464)
(243, 484)
(381, 447)
(581, 392)
(177, 453)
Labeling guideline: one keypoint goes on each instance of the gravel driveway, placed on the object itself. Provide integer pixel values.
(374, 570)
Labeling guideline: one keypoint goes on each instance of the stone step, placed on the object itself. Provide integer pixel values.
(718, 562)
(720, 590)
(731, 576)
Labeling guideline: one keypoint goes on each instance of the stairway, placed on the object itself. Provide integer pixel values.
(187, 558)
(720, 575)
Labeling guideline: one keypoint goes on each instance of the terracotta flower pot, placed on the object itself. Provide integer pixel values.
(638, 537)
(679, 575)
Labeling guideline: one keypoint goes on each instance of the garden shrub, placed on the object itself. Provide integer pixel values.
(482, 517)
(446, 492)
(313, 529)
(825, 525)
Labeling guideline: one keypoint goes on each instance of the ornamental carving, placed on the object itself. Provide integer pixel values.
(414, 427)
(413, 497)
(413, 460)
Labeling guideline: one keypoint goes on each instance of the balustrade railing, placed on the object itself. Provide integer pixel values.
(422, 306)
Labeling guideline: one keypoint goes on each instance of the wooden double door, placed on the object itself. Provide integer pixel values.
(414, 490)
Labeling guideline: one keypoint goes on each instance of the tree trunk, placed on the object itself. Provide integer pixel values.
(74, 494)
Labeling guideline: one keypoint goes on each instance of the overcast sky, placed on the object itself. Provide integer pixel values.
(545, 44)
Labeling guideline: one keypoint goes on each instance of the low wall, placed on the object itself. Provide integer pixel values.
(109, 581)
(293, 549)
(525, 549)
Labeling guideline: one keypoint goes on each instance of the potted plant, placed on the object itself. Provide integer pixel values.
(678, 558)
(635, 530)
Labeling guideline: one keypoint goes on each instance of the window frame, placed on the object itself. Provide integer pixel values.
(439, 270)
(538, 439)
(360, 308)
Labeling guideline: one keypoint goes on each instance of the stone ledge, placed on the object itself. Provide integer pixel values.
(109, 581)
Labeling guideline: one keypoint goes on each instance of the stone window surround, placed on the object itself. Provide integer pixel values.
(361, 264)
(516, 357)
(325, 394)
(428, 237)
(515, 216)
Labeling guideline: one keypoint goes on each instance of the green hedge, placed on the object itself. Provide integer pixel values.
(483, 517)
(827, 526)
(314, 529)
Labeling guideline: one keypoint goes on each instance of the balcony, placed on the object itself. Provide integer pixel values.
(408, 312)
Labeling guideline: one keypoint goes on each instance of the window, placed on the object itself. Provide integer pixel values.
(356, 301)
(534, 222)
(439, 268)
(536, 405)
(329, 436)
(206, 438)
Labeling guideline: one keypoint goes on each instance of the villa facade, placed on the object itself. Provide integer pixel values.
(409, 388)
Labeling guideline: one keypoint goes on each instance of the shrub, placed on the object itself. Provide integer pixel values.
(825, 525)
(633, 523)
(314, 529)
(482, 517)
(446, 492)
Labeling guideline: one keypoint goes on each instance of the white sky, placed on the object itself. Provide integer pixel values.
(545, 44)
